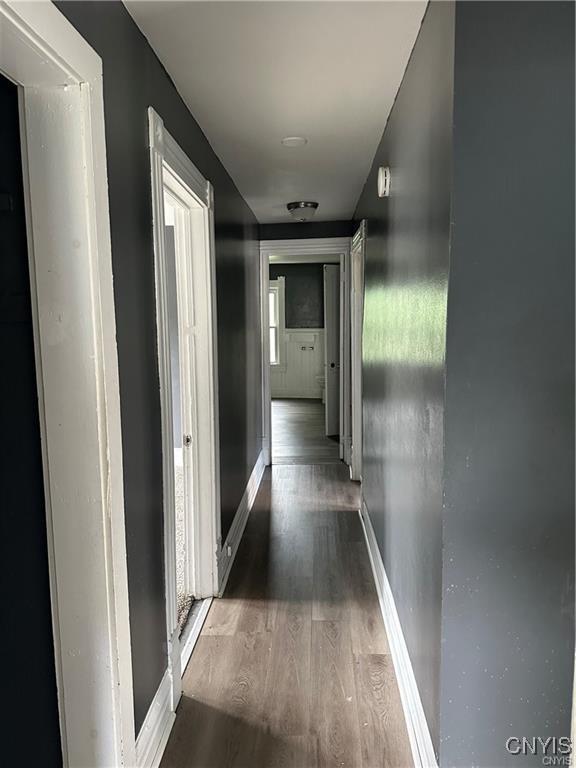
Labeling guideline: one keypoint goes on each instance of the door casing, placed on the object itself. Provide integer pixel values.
(356, 325)
(68, 231)
(174, 172)
(332, 349)
(309, 250)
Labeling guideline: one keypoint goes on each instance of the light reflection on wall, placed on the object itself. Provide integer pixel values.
(405, 324)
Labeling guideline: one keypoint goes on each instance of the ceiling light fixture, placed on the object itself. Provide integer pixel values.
(294, 141)
(302, 210)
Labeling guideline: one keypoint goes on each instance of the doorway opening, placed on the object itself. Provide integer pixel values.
(175, 230)
(304, 301)
(305, 350)
(24, 525)
(186, 321)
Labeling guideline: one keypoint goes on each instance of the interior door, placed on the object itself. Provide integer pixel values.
(183, 597)
(332, 347)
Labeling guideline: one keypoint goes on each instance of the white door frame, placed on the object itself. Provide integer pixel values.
(332, 288)
(317, 250)
(196, 276)
(356, 324)
(66, 188)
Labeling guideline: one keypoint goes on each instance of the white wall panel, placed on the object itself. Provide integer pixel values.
(303, 364)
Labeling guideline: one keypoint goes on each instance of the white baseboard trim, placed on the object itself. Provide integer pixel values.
(418, 731)
(192, 632)
(266, 451)
(156, 728)
(230, 547)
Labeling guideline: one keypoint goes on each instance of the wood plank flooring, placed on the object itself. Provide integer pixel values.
(292, 668)
(298, 433)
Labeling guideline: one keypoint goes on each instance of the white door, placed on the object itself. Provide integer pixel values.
(332, 347)
(186, 323)
(357, 315)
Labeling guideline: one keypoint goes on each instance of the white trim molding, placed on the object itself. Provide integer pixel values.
(192, 630)
(66, 188)
(357, 259)
(174, 175)
(228, 551)
(319, 250)
(156, 728)
(418, 731)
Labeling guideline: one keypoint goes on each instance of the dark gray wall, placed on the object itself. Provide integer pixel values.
(508, 598)
(25, 594)
(406, 277)
(134, 80)
(294, 230)
(303, 293)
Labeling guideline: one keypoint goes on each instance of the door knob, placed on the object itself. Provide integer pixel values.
(332, 365)
(187, 440)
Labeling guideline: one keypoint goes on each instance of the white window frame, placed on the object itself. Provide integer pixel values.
(66, 188)
(172, 170)
(278, 286)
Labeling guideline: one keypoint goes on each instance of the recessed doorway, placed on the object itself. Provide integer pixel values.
(305, 363)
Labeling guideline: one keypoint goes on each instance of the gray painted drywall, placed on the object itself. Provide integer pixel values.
(134, 79)
(406, 274)
(303, 294)
(508, 598)
(294, 230)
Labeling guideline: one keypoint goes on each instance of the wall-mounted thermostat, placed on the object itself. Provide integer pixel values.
(383, 182)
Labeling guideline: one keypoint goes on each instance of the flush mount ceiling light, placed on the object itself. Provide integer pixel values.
(294, 141)
(302, 210)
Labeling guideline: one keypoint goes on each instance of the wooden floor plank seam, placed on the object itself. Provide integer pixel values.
(292, 667)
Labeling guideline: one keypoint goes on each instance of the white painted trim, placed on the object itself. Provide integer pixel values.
(306, 250)
(418, 731)
(213, 412)
(265, 361)
(153, 736)
(345, 402)
(157, 726)
(281, 327)
(63, 144)
(356, 294)
(172, 170)
(192, 631)
(281, 250)
(239, 523)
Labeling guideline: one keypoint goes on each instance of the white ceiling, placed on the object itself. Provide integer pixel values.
(254, 72)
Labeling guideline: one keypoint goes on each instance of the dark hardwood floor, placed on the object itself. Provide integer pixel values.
(292, 667)
(298, 434)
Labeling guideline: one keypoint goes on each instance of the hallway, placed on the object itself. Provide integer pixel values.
(292, 667)
(228, 230)
(298, 433)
